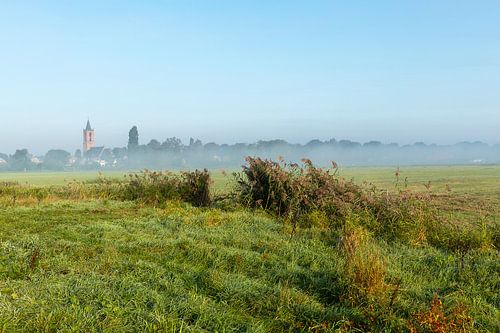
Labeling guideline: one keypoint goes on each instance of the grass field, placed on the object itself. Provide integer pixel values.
(481, 180)
(100, 265)
(54, 178)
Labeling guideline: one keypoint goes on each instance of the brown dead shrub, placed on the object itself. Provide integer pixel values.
(437, 320)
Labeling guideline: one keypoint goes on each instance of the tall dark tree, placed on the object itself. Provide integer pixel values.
(133, 138)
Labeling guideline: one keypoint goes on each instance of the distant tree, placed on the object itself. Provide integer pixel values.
(107, 155)
(172, 144)
(154, 144)
(211, 146)
(20, 160)
(4, 160)
(56, 159)
(266, 144)
(119, 153)
(373, 144)
(314, 143)
(475, 144)
(78, 154)
(348, 144)
(133, 138)
(240, 145)
(195, 143)
(331, 142)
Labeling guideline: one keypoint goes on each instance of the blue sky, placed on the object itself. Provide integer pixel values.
(239, 71)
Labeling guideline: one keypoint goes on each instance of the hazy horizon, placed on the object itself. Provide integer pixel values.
(246, 71)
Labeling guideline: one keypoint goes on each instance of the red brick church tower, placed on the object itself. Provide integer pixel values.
(88, 138)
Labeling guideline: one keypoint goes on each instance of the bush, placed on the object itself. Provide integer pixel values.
(195, 187)
(154, 187)
(293, 191)
(268, 185)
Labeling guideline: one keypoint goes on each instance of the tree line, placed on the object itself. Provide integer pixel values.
(174, 154)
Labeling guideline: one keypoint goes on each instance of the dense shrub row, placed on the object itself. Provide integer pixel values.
(302, 194)
(308, 196)
(148, 187)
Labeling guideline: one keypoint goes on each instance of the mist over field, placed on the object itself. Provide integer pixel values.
(344, 153)
(173, 154)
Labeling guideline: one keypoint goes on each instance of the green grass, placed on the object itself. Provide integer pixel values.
(53, 178)
(221, 179)
(461, 179)
(108, 266)
(481, 180)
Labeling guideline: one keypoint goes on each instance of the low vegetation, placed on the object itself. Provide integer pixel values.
(157, 187)
(289, 248)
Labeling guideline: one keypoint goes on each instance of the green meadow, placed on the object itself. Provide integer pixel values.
(481, 180)
(54, 178)
(98, 264)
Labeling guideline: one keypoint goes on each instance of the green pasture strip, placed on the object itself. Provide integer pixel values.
(482, 180)
(106, 266)
(55, 178)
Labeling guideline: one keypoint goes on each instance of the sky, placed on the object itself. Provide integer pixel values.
(231, 71)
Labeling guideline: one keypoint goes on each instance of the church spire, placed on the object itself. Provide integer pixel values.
(88, 138)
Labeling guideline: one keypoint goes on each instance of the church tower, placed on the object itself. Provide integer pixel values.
(88, 138)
